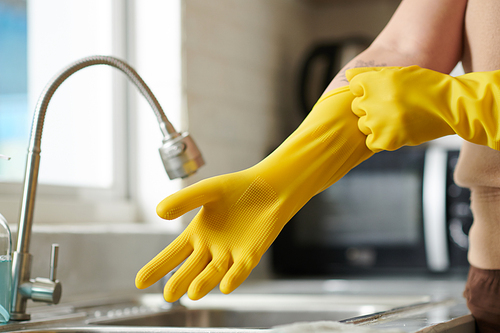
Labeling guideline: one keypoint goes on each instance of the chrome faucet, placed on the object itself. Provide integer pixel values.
(178, 152)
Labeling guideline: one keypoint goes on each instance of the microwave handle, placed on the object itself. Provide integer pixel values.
(434, 209)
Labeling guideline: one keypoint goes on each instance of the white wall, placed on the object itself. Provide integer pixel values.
(155, 52)
(237, 56)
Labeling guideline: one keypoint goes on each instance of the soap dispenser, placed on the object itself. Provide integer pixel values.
(5, 270)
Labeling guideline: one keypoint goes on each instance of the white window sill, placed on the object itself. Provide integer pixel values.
(77, 217)
(71, 211)
(105, 228)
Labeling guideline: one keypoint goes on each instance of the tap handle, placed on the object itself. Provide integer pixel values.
(54, 256)
(43, 289)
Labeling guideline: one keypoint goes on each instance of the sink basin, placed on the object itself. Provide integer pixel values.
(259, 311)
(216, 313)
(411, 306)
(229, 318)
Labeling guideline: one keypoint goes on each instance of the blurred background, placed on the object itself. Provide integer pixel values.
(228, 71)
(238, 75)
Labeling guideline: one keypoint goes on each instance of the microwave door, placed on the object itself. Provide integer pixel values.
(369, 221)
(434, 209)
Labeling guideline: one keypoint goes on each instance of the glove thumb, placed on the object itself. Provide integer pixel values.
(355, 85)
(188, 199)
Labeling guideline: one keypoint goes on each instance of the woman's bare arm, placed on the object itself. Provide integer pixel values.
(427, 33)
(479, 166)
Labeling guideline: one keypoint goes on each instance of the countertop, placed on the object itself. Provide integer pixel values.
(411, 304)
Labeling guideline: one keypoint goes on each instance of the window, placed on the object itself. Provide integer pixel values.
(93, 141)
(14, 115)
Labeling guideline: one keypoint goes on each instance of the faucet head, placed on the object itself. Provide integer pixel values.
(180, 155)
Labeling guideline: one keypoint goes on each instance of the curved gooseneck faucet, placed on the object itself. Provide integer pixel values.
(179, 154)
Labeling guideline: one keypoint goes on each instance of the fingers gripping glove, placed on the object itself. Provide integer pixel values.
(412, 105)
(243, 212)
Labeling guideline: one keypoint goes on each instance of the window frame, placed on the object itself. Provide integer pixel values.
(124, 201)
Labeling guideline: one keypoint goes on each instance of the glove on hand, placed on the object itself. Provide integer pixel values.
(412, 105)
(244, 212)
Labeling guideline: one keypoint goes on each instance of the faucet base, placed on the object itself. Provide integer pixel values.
(19, 316)
(21, 265)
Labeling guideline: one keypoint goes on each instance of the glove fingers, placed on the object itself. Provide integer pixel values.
(372, 139)
(235, 276)
(188, 199)
(356, 87)
(179, 283)
(209, 278)
(373, 144)
(164, 262)
(357, 108)
(360, 75)
(363, 126)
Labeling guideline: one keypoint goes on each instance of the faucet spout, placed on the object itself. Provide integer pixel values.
(178, 152)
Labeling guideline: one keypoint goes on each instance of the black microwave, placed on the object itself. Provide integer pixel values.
(397, 212)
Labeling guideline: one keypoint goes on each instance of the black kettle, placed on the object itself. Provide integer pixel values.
(322, 62)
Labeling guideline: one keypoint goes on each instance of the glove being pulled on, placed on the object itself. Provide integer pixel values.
(412, 105)
(243, 212)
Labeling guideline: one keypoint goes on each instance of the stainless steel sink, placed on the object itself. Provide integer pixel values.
(228, 318)
(236, 313)
(258, 311)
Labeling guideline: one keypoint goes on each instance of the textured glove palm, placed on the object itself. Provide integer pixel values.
(412, 105)
(244, 212)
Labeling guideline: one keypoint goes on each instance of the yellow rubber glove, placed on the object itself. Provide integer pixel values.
(244, 212)
(412, 105)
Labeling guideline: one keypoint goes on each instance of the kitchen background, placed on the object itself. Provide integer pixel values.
(228, 74)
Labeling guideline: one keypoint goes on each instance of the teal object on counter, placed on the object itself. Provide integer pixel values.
(5, 270)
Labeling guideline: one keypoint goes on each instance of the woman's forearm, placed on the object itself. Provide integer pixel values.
(372, 57)
(427, 33)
